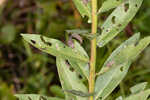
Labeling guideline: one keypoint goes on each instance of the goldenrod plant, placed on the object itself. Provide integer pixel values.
(77, 69)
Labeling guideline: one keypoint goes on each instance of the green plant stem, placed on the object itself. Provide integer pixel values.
(93, 49)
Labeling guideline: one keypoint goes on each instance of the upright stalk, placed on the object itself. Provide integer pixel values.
(93, 49)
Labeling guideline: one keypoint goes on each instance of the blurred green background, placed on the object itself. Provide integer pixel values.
(24, 69)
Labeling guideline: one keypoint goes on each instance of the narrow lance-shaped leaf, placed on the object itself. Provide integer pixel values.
(138, 88)
(118, 71)
(143, 95)
(54, 47)
(69, 80)
(118, 20)
(109, 4)
(35, 97)
(108, 81)
(139, 47)
(80, 67)
(113, 58)
(84, 7)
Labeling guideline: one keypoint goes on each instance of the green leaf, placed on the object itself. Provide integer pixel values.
(84, 7)
(118, 65)
(108, 81)
(118, 20)
(138, 48)
(109, 4)
(143, 95)
(35, 97)
(69, 80)
(80, 67)
(54, 47)
(116, 59)
(138, 88)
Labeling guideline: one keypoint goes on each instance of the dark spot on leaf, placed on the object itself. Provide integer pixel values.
(68, 65)
(121, 69)
(107, 30)
(136, 43)
(42, 39)
(67, 62)
(29, 98)
(126, 7)
(71, 69)
(113, 19)
(100, 98)
(33, 41)
(42, 98)
(136, 5)
(47, 43)
(80, 77)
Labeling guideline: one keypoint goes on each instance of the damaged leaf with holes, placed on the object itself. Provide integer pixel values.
(118, 20)
(122, 57)
(108, 81)
(113, 58)
(54, 47)
(70, 80)
(80, 67)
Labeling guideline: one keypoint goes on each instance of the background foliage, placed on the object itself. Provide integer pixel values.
(27, 70)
